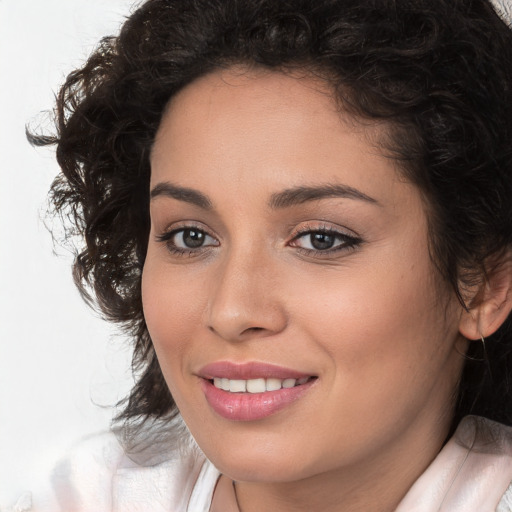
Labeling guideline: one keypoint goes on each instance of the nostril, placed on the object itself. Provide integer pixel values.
(246, 331)
(254, 329)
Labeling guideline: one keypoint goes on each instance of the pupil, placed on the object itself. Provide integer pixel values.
(193, 238)
(322, 241)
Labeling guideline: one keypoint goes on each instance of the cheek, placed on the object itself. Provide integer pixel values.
(172, 306)
(384, 327)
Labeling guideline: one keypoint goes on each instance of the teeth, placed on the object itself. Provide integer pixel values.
(237, 386)
(257, 385)
(289, 383)
(273, 384)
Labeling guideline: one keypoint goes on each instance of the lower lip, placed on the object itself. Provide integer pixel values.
(251, 406)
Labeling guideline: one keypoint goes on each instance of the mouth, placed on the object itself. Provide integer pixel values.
(258, 385)
(252, 391)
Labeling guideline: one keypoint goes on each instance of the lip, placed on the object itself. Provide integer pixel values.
(250, 370)
(250, 406)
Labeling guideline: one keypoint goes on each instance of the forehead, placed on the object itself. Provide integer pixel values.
(255, 92)
(245, 101)
(265, 128)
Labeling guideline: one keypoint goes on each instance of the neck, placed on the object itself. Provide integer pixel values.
(329, 496)
(377, 484)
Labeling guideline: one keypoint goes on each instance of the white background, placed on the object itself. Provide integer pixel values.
(56, 358)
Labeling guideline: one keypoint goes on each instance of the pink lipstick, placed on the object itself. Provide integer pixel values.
(251, 391)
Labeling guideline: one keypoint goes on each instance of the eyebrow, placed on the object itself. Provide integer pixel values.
(284, 199)
(188, 195)
(300, 195)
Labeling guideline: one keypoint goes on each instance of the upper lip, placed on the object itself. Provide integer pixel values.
(249, 370)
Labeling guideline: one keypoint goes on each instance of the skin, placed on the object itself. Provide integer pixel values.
(371, 320)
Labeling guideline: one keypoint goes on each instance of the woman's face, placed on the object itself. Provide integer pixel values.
(288, 262)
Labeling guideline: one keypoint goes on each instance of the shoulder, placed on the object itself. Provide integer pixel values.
(98, 475)
(505, 504)
(472, 473)
(85, 469)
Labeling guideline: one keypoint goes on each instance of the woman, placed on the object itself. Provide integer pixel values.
(301, 212)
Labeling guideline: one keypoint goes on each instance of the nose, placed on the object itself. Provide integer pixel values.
(245, 300)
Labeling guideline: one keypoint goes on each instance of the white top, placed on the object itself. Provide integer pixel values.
(472, 473)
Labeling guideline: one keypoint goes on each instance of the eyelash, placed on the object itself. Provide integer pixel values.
(348, 242)
(167, 239)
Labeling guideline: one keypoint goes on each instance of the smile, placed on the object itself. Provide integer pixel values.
(252, 391)
(259, 385)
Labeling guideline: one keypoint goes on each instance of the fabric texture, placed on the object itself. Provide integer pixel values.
(472, 473)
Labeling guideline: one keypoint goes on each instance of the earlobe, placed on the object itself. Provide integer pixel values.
(492, 303)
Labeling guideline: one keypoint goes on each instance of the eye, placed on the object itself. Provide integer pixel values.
(191, 238)
(319, 241)
(187, 240)
(323, 241)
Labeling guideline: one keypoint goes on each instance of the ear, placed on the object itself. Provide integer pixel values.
(492, 302)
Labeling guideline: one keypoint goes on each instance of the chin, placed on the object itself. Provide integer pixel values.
(258, 461)
(261, 469)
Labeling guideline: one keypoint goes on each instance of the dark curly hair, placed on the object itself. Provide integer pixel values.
(437, 72)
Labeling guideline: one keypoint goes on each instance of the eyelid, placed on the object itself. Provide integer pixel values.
(350, 238)
(167, 235)
(324, 227)
(175, 227)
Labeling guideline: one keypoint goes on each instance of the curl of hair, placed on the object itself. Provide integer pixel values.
(438, 72)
